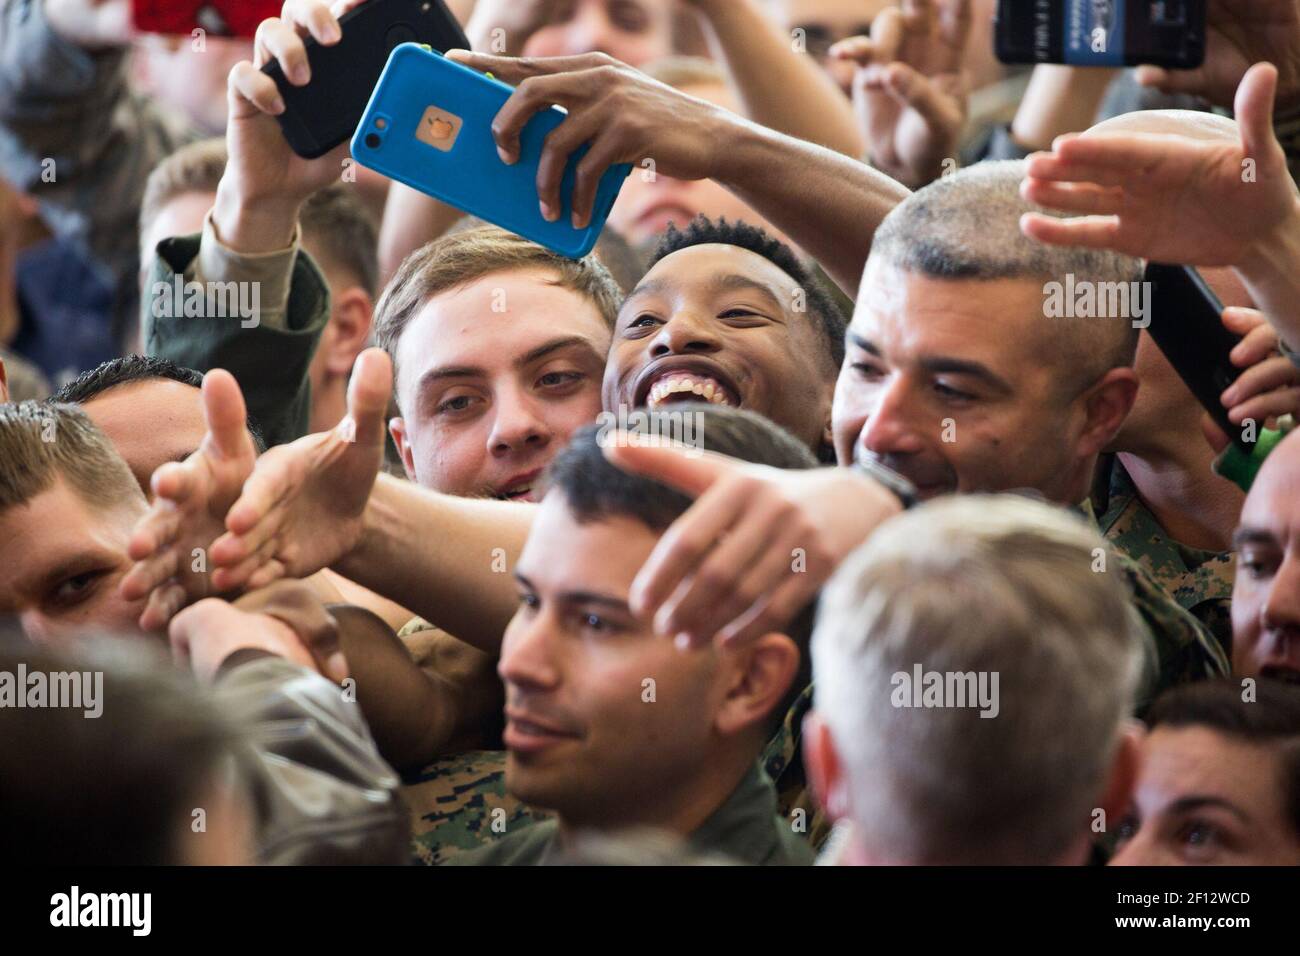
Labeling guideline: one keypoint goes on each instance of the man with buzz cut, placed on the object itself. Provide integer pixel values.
(961, 376)
(962, 779)
(611, 726)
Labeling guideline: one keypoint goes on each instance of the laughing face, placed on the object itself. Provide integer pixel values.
(494, 376)
(721, 324)
(1266, 594)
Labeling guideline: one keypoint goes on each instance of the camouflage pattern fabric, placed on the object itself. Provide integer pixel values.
(1177, 648)
(1200, 581)
(782, 758)
(459, 803)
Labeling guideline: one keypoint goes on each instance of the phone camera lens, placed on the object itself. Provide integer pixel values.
(372, 140)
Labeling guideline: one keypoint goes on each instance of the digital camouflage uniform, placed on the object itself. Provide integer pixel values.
(1199, 580)
(746, 828)
(1176, 647)
(460, 803)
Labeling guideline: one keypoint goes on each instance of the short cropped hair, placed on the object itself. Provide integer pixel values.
(1272, 719)
(976, 585)
(461, 257)
(967, 226)
(827, 317)
(594, 489)
(129, 369)
(41, 442)
(335, 222)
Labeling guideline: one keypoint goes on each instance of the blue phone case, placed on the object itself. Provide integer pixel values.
(454, 106)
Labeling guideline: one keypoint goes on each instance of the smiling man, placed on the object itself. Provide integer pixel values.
(958, 376)
(727, 314)
(611, 726)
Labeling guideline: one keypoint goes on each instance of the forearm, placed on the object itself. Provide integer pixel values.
(1271, 274)
(1058, 100)
(445, 558)
(828, 204)
(407, 714)
(778, 87)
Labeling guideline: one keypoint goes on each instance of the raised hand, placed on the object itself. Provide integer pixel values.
(170, 543)
(265, 182)
(909, 90)
(301, 508)
(754, 548)
(1166, 197)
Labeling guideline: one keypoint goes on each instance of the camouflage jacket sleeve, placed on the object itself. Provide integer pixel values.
(270, 360)
(322, 793)
(76, 138)
(1177, 648)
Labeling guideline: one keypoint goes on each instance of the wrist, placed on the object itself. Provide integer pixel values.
(746, 145)
(249, 224)
(1276, 251)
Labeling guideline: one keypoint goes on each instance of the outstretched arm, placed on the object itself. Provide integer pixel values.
(827, 203)
(1170, 198)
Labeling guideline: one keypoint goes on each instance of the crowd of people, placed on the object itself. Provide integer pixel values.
(795, 523)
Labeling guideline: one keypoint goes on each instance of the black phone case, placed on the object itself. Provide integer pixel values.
(324, 113)
(1187, 325)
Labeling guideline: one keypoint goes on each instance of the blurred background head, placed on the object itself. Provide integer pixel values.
(142, 772)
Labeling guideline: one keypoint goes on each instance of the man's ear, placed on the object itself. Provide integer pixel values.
(351, 320)
(397, 429)
(824, 768)
(1106, 405)
(4, 383)
(761, 673)
(1122, 778)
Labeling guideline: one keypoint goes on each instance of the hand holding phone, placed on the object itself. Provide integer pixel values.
(429, 125)
(323, 111)
(1187, 325)
(621, 114)
(265, 183)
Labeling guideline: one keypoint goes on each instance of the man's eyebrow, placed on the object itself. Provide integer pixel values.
(1195, 801)
(1248, 535)
(867, 346)
(956, 366)
(580, 597)
(649, 287)
(555, 345)
(595, 597)
(67, 568)
(435, 375)
(735, 282)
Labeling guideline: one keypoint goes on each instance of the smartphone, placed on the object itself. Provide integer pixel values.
(1168, 33)
(324, 113)
(1187, 325)
(429, 125)
(228, 18)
